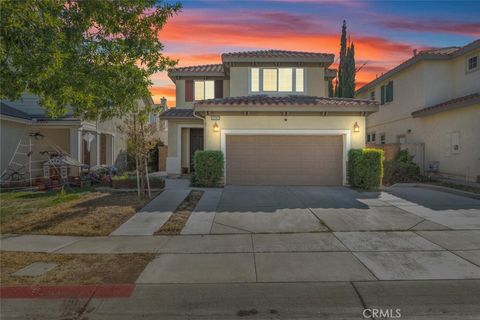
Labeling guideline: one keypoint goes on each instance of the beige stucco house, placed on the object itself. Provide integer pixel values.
(25, 128)
(432, 99)
(269, 113)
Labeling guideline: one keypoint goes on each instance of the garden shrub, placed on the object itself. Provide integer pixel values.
(208, 168)
(365, 168)
(401, 170)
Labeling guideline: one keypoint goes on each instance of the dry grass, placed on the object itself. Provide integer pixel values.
(179, 218)
(91, 214)
(74, 269)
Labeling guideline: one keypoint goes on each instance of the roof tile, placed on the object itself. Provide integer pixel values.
(177, 113)
(447, 105)
(276, 54)
(285, 100)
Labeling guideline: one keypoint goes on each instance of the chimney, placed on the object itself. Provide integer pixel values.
(414, 52)
(163, 104)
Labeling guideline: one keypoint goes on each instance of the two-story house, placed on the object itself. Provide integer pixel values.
(433, 99)
(270, 115)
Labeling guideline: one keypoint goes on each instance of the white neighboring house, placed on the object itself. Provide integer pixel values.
(88, 142)
(433, 98)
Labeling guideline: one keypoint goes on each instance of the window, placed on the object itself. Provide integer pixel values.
(386, 93)
(204, 89)
(285, 79)
(372, 95)
(472, 64)
(269, 80)
(371, 137)
(277, 80)
(299, 80)
(255, 79)
(382, 138)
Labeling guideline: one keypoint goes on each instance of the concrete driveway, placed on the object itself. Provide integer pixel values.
(316, 209)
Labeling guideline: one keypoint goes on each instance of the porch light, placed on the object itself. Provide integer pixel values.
(215, 127)
(356, 127)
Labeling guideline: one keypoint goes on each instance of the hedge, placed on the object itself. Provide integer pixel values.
(208, 168)
(365, 168)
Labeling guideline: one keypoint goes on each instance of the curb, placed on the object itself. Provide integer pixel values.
(457, 192)
(69, 291)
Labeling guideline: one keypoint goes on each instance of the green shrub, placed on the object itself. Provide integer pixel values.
(208, 168)
(365, 168)
(401, 170)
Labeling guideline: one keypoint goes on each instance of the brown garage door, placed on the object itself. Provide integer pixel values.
(283, 160)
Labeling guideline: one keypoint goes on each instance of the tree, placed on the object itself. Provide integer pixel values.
(345, 84)
(331, 91)
(349, 76)
(342, 57)
(94, 56)
(141, 140)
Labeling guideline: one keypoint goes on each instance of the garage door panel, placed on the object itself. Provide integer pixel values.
(284, 160)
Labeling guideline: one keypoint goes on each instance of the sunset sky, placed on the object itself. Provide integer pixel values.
(384, 32)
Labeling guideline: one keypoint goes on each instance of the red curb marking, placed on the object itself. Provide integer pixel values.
(72, 291)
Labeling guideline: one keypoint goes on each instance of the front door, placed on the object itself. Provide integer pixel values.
(196, 143)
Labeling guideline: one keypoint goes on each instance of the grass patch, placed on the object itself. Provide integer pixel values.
(74, 268)
(16, 203)
(178, 219)
(81, 213)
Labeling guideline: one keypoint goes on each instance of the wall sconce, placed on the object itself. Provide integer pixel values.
(215, 127)
(356, 127)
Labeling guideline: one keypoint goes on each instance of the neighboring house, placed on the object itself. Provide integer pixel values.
(269, 113)
(432, 99)
(24, 123)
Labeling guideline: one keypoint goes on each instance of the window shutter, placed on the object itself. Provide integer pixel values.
(390, 91)
(382, 91)
(218, 88)
(188, 90)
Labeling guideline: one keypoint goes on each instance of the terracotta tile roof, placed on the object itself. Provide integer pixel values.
(276, 54)
(464, 101)
(430, 54)
(206, 68)
(286, 100)
(177, 113)
(330, 73)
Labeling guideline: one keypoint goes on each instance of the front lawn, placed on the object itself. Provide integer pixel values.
(74, 268)
(81, 212)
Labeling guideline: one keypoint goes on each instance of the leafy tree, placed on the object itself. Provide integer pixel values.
(95, 56)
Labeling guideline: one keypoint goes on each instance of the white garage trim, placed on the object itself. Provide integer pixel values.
(290, 132)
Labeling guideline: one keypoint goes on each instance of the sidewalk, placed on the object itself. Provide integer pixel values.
(324, 256)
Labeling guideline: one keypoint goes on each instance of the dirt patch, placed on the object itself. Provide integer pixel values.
(74, 268)
(92, 214)
(179, 218)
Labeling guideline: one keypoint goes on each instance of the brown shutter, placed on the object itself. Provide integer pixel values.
(218, 88)
(188, 90)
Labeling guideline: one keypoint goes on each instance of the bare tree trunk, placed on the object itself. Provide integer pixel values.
(148, 181)
(138, 176)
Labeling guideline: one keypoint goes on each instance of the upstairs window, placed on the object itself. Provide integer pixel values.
(386, 93)
(204, 89)
(272, 80)
(472, 64)
(372, 95)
